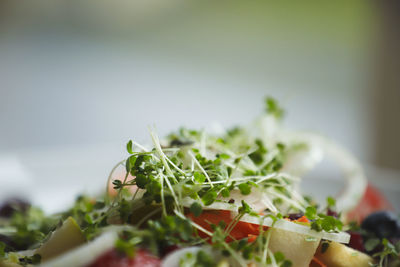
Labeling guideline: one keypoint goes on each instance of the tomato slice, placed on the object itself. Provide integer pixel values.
(113, 258)
(240, 231)
(372, 201)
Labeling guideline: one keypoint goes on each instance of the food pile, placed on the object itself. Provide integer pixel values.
(229, 198)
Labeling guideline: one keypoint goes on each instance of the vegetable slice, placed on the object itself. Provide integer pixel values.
(84, 255)
(67, 237)
(340, 237)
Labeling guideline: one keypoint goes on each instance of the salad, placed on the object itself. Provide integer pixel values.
(228, 198)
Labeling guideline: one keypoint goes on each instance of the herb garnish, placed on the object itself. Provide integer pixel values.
(188, 173)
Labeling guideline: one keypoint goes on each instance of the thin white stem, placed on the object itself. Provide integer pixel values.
(176, 167)
(273, 260)
(164, 209)
(111, 173)
(272, 175)
(266, 245)
(288, 200)
(201, 168)
(170, 188)
(157, 146)
(195, 225)
(140, 146)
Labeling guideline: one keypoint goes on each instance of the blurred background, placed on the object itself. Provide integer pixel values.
(81, 78)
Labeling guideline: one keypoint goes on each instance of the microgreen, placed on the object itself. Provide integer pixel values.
(389, 251)
(196, 209)
(129, 147)
(28, 260)
(245, 188)
(191, 171)
(331, 202)
(321, 221)
(209, 197)
(273, 108)
(2, 250)
(200, 259)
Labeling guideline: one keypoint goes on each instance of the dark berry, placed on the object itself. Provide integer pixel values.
(356, 241)
(295, 216)
(332, 213)
(13, 205)
(383, 224)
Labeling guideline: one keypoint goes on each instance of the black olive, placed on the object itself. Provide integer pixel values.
(295, 216)
(383, 224)
(13, 205)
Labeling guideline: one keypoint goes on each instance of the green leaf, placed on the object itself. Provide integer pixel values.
(245, 188)
(88, 218)
(28, 260)
(316, 226)
(273, 108)
(117, 184)
(225, 192)
(286, 263)
(124, 209)
(245, 208)
(199, 177)
(141, 180)
(209, 197)
(2, 247)
(125, 247)
(279, 257)
(328, 223)
(311, 213)
(331, 202)
(224, 156)
(280, 146)
(196, 209)
(130, 163)
(204, 259)
(129, 147)
(371, 244)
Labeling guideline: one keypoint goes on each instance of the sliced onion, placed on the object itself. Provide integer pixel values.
(340, 237)
(301, 161)
(356, 182)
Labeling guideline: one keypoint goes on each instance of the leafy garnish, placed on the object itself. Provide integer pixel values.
(320, 221)
(273, 108)
(188, 173)
(389, 251)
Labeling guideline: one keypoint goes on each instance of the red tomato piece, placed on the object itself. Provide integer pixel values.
(372, 201)
(240, 231)
(356, 241)
(113, 258)
(302, 219)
